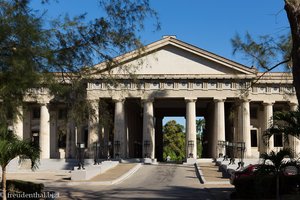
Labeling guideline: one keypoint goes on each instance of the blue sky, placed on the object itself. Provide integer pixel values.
(211, 24)
(208, 24)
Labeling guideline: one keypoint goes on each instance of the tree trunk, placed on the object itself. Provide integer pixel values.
(4, 183)
(277, 187)
(292, 8)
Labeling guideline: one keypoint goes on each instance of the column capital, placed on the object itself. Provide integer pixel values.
(148, 100)
(43, 102)
(219, 100)
(268, 103)
(94, 100)
(94, 103)
(292, 103)
(243, 100)
(116, 100)
(190, 100)
(160, 117)
(239, 102)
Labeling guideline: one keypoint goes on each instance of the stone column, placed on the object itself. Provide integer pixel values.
(159, 138)
(268, 114)
(44, 135)
(105, 129)
(54, 152)
(120, 140)
(26, 124)
(70, 139)
(93, 127)
(245, 126)
(293, 141)
(148, 129)
(219, 128)
(18, 123)
(191, 128)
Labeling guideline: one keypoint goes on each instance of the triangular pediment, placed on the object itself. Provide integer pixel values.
(170, 56)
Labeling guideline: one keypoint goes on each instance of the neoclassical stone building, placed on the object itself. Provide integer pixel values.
(172, 78)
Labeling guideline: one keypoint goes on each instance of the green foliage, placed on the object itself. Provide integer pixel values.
(200, 124)
(264, 52)
(255, 187)
(279, 162)
(11, 146)
(199, 145)
(277, 159)
(33, 47)
(286, 123)
(22, 47)
(174, 141)
(264, 186)
(24, 186)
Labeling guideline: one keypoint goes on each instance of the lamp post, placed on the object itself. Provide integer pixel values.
(241, 147)
(96, 153)
(117, 149)
(219, 148)
(146, 146)
(190, 148)
(225, 145)
(231, 146)
(108, 150)
(80, 155)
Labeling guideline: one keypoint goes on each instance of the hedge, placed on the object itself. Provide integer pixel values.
(264, 186)
(24, 186)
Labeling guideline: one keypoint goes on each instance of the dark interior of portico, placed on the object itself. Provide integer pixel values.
(176, 107)
(163, 107)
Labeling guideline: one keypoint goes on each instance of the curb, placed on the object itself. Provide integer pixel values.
(127, 174)
(200, 174)
(112, 182)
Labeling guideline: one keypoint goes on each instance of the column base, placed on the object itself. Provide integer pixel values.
(151, 161)
(190, 161)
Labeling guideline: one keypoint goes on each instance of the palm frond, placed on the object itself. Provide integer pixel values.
(286, 123)
(277, 159)
(11, 147)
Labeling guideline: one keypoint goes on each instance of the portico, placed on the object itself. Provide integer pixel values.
(173, 78)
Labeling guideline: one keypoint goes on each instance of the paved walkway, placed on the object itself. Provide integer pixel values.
(209, 170)
(212, 175)
(114, 173)
(216, 187)
(64, 176)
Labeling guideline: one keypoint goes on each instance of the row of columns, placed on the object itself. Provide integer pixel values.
(121, 137)
(44, 134)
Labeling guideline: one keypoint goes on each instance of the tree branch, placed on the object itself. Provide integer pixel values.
(269, 69)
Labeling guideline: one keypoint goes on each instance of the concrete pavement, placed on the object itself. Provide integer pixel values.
(63, 177)
(144, 181)
(212, 175)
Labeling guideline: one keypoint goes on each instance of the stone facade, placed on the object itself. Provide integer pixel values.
(173, 78)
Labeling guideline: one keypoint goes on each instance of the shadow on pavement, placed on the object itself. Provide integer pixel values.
(170, 192)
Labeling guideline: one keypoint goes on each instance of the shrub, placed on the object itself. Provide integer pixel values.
(24, 186)
(289, 184)
(255, 187)
(264, 186)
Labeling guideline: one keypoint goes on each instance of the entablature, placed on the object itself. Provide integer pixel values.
(266, 85)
